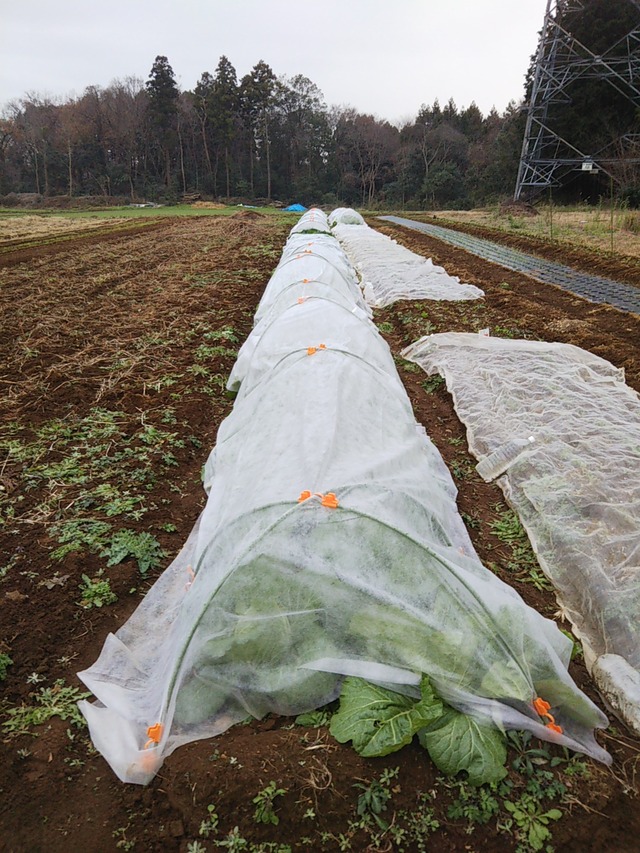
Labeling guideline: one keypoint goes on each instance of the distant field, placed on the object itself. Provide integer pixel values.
(126, 212)
(23, 229)
(590, 227)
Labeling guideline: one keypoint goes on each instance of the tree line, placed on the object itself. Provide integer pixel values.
(262, 137)
(275, 138)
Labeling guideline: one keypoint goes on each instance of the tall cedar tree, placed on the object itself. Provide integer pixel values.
(225, 103)
(163, 111)
(258, 92)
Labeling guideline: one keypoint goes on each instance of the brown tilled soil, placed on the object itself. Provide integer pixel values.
(111, 324)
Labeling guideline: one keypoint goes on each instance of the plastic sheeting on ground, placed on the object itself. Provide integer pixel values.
(330, 545)
(576, 488)
(390, 272)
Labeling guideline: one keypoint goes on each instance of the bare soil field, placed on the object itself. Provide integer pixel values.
(114, 352)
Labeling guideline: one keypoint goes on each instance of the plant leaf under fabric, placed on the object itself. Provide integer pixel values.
(457, 742)
(379, 721)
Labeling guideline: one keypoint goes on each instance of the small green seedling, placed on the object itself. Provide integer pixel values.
(264, 802)
(5, 663)
(96, 591)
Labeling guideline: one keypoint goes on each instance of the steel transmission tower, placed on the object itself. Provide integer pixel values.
(561, 60)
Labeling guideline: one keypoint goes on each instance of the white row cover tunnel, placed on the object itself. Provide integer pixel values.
(330, 545)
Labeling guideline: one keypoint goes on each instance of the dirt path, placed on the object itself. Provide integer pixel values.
(115, 352)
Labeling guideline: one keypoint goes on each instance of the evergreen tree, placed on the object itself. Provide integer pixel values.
(225, 103)
(163, 111)
(258, 95)
(134, 138)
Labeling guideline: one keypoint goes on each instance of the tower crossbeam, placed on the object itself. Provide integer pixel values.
(561, 61)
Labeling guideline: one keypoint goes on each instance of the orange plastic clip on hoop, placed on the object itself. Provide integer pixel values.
(154, 734)
(329, 499)
(311, 350)
(543, 708)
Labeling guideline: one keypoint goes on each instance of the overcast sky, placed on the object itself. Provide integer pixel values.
(385, 57)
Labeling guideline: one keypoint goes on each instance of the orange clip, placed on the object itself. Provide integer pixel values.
(311, 350)
(322, 346)
(154, 734)
(330, 500)
(541, 707)
(305, 281)
(301, 299)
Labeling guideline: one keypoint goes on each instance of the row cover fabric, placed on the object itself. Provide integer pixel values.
(576, 488)
(312, 267)
(311, 259)
(313, 220)
(345, 216)
(330, 545)
(391, 272)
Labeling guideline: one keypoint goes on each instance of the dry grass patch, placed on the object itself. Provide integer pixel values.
(587, 226)
(33, 228)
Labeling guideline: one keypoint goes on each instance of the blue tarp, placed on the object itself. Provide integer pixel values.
(297, 207)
